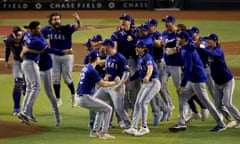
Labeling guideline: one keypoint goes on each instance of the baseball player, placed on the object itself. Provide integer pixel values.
(86, 87)
(13, 44)
(147, 38)
(223, 78)
(173, 62)
(115, 65)
(193, 82)
(36, 41)
(45, 66)
(60, 37)
(147, 71)
(125, 38)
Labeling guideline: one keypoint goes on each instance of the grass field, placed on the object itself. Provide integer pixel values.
(73, 129)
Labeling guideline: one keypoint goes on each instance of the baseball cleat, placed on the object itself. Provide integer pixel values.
(131, 131)
(106, 136)
(231, 123)
(177, 128)
(94, 134)
(142, 131)
(23, 118)
(218, 128)
(74, 102)
(59, 102)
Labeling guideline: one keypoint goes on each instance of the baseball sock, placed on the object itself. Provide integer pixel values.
(56, 88)
(71, 87)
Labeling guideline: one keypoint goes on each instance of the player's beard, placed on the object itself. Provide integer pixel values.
(56, 25)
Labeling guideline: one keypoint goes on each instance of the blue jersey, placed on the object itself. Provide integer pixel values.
(143, 62)
(219, 70)
(60, 38)
(35, 42)
(175, 59)
(15, 47)
(125, 47)
(192, 64)
(148, 41)
(88, 78)
(157, 51)
(116, 65)
(45, 62)
(202, 55)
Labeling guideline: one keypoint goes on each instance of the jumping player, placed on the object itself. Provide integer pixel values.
(13, 44)
(86, 87)
(36, 41)
(147, 71)
(193, 82)
(60, 37)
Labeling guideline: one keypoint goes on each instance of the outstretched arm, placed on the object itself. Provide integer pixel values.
(77, 25)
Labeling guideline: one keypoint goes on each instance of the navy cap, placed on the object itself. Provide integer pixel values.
(152, 22)
(125, 17)
(88, 43)
(132, 21)
(93, 54)
(194, 30)
(97, 37)
(169, 19)
(212, 36)
(108, 42)
(140, 44)
(183, 34)
(144, 26)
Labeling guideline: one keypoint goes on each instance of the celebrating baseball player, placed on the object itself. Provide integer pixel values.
(193, 82)
(86, 87)
(147, 71)
(13, 44)
(60, 37)
(223, 78)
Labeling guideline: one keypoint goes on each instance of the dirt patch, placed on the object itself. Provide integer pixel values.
(13, 129)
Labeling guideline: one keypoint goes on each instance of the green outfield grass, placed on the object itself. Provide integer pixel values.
(73, 129)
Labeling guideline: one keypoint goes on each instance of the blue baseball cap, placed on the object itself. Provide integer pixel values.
(152, 22)
(125, 17)
(140, 44)
(93, 54)
(108, 42)
(169, 19)
(144, 27)
(183, 34)
(97, 37)
(88, 43)
(212, 36)
(194, 30)
(132, 21)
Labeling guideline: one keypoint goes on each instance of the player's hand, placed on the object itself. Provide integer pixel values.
(127, 81)
(68, 51)
(117, 79)
(118, 88)
(146, 80)
(129, 38)
(106, 77)
(76, 16)
(179, 90)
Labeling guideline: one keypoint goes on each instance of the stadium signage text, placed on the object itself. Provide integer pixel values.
(73, 5)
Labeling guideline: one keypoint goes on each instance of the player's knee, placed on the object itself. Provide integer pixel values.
(18, 83)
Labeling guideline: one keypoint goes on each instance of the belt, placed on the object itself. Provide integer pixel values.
(80, 95)
(130, 57)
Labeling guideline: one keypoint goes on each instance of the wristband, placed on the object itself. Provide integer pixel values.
(78, 22)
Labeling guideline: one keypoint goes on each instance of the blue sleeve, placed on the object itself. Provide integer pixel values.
(86, 59)
(187, 59)
(69, 28)
(216, 52)
(54, 51)
(124, 63)
(114, 37)
(44, 31)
